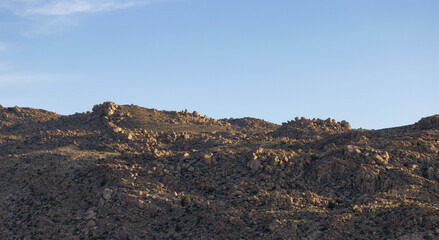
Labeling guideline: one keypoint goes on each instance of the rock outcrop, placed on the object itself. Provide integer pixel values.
(428, 122)
(311, 128)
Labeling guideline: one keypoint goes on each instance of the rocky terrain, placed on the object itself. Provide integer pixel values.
(127, 172)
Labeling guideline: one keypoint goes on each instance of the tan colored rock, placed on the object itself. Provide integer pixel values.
(117, 130)
(207, 159)
(379, 159)
(432, 149)
(130, 136)
(353, 149)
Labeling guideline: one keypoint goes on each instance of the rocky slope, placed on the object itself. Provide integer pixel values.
(127, 172)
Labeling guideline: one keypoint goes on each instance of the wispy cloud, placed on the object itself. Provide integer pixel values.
(65, 7)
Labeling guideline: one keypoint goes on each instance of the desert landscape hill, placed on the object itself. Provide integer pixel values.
(128, 172)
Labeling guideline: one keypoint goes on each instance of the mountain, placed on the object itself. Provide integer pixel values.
(128, 172)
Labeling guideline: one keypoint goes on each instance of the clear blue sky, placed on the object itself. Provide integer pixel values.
(373, 63)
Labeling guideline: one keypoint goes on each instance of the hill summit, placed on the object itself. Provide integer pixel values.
(128, 172)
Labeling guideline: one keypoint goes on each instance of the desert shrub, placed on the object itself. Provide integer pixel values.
(185, 201)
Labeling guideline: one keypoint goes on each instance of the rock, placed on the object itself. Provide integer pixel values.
(130, 136)
(91, 224)
(107, 194)
(90, 214)
(379, 159)
(432, 149)
(117, 130)
(385, 156)
(268, 169)
(353, 149)
(16, 109)
(196, 114)
(430, 173)
(105, 109)
(152, 210)
(254, 164)
(207, 159)
(191, 169)
(316, 235)
(273, 226)
(237, 222)
(131, 200)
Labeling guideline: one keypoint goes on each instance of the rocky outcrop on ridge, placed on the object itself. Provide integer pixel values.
(127, 172)
(311, 128)
(428, 122)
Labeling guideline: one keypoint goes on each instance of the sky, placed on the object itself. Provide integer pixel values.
(372, 63)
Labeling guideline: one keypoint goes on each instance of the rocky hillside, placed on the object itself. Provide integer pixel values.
(127, 172)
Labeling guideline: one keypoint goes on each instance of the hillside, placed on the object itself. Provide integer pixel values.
(128, 172)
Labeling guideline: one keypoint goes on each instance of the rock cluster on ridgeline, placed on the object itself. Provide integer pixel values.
(311, 128)
(127, 172)
(105, 109)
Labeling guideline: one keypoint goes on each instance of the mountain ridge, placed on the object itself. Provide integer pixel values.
(127, 172)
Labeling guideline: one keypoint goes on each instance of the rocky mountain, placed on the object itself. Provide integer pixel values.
(127, 172)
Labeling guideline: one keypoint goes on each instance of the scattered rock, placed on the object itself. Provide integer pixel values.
(254, 165)
(246, 178)
(91, 224)
(274, 225)
(107, 194)
(316, 235)
(90, 214)
(353, 149)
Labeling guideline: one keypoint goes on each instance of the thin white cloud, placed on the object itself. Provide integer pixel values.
(65, 7)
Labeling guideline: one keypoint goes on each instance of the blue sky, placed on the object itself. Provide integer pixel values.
(372, 63)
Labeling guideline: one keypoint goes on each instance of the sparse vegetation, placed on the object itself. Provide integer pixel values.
(185, 201)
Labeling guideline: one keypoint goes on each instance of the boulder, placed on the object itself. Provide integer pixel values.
(107, 194)
(105, 109)
(254, 164)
